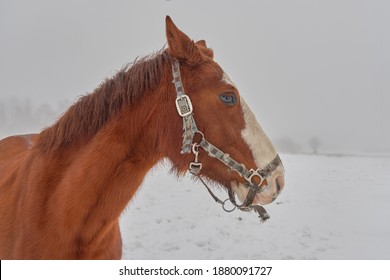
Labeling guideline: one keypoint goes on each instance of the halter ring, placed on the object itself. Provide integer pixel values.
(227, 209)
(253, 174)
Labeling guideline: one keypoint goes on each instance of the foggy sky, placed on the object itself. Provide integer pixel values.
(307, 68)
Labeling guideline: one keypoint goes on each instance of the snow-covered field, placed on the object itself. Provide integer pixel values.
(331, 208)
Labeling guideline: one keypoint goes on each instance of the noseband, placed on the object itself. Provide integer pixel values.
(254, 178)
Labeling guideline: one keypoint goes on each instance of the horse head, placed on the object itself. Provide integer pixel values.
(222, 138)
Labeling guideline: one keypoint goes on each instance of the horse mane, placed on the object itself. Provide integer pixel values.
(85, 117)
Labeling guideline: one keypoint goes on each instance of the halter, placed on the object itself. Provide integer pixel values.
(254, 178)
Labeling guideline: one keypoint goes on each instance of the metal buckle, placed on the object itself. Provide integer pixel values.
(184, 105)
(253, 173)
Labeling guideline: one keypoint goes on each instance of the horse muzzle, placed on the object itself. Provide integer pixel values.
(269, 190)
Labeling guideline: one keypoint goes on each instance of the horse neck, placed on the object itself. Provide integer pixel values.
(103, 173)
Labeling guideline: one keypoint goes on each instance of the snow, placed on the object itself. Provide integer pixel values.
(332, 208)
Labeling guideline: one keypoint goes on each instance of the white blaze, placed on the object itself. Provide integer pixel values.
(263, 153)
(227, 80)
(262, 149)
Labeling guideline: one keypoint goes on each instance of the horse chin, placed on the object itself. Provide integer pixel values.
(267, 196)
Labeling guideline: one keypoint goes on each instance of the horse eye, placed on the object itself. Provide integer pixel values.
(228, 98)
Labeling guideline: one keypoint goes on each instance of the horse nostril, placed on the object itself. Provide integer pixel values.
(279, 181)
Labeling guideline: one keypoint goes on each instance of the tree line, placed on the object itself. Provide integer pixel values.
(18, 116)
(24, 116)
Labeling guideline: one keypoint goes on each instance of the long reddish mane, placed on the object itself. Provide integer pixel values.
(91, 112)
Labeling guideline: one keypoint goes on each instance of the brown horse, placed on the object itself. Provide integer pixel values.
(62, 191)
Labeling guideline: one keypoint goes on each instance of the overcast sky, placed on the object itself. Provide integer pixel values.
(307, 68)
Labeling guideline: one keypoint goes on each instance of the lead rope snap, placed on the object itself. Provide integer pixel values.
(195, 166)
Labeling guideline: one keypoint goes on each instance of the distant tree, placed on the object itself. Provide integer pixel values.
(314, 143)
(45, 115)
(63, 105)
(287, 145)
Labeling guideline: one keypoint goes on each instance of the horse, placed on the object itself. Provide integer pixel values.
(62, 191)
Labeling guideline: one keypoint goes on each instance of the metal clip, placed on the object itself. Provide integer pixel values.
(253, 174)
(195, 166)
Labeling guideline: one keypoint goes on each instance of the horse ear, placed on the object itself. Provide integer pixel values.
(204, 49)
(180, 45)
(202, 43)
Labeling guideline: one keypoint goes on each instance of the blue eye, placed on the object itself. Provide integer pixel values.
(228, 98)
